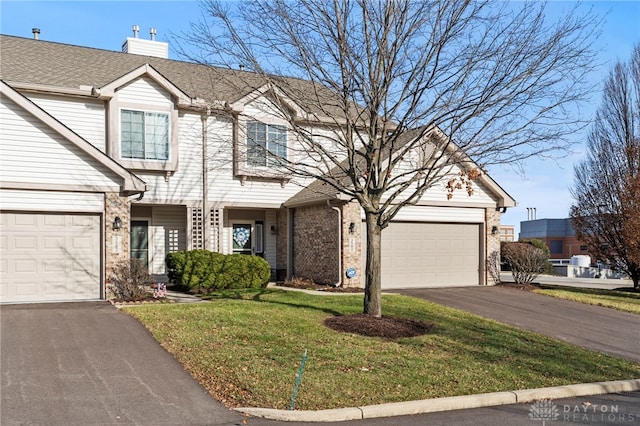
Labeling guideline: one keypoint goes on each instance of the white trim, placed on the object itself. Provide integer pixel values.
(51, 201)
(108, 91)
(439, 214)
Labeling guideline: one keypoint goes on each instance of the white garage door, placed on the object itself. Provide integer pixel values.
(430, 255)
(49, 257)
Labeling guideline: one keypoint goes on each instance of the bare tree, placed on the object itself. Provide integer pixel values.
(525, 260)
(394, 97)
(606, 213)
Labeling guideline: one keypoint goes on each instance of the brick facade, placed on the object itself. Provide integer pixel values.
(352, 244)
(315, 242)
(492, 235)
(116, 241)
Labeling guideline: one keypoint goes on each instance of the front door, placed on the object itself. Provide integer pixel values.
(140, 241)
(242, 238)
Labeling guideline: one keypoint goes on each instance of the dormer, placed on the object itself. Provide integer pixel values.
(143, 120)
(263, 137)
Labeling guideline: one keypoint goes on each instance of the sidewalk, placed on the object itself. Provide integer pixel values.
(445, 404)
(601, 283)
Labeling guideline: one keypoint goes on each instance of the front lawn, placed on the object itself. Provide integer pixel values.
(245, 347)
(617, 299)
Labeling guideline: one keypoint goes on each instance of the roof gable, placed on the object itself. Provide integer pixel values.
(130, 183)
(274, 94)
(320, 190)
(108, 90)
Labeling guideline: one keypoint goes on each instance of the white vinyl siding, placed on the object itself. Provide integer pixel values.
(51, 201)
(144, 135)
(270, 238)
(144, 91)
(84, 117)
(34, 153)
(168, 233)
(440, 214)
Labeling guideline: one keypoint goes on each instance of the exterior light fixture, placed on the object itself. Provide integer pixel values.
(352, 227)
(273, 230)
(494, 230)
(117, 223)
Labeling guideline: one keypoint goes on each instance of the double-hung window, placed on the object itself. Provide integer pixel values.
(144, 135)
(266, 144)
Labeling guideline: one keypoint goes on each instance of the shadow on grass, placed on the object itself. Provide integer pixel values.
(242, 294)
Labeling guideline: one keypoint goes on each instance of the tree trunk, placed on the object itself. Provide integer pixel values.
(635, 277)
(373, 279)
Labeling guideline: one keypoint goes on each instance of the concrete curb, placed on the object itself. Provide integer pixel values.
(445, 404)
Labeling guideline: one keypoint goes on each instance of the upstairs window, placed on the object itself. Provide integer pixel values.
(266, 143)
(144, 135)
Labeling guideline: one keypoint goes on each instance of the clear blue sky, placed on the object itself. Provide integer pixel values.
(106, 24)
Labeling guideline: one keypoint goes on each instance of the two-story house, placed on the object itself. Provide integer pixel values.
(108, 155)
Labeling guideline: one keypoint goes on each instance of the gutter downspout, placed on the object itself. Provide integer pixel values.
(337, 209)
(205, 184)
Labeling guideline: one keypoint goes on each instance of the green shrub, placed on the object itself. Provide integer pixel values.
(205, 270)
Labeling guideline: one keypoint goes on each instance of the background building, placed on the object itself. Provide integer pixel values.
(558, 235)
(507, 233)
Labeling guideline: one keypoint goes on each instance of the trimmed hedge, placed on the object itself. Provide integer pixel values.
(207, 270)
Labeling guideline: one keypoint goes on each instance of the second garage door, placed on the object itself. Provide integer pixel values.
(430, 255)
(49, 257)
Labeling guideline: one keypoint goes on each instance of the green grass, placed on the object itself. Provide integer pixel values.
(246, 346)
(616, 299)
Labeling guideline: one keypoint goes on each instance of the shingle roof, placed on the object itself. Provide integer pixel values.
(31, 61)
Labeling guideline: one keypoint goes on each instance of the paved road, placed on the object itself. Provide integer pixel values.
(611, 409)
(88, 364)
(593, 327)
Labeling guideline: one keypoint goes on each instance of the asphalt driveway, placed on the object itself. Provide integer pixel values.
(594, 327)
(88, 364)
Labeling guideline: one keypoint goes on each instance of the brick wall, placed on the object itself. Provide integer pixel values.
(116, 241)
(315, 242)
(492, 218)
(352, 244)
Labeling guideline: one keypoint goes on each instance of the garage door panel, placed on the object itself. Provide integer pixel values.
(25, 242)
(50, 257)
(22, 222)
(25, 266)
(53, 222)
(54, 242)
(430, 254)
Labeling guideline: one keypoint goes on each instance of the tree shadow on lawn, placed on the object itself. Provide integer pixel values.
(258, 297)
(389, 327)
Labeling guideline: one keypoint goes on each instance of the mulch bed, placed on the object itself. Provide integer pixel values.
(389, 327)
(524, 287)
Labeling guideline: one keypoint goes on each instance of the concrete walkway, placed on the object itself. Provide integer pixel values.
(593, 327)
